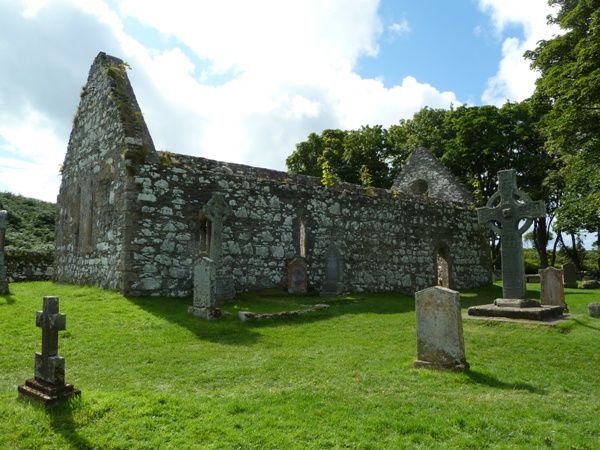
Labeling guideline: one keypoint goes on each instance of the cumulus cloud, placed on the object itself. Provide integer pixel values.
(232, 80)
(515, 80)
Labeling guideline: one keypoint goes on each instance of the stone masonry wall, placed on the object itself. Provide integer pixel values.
(92, 202)
(386, 243)
(27, 265)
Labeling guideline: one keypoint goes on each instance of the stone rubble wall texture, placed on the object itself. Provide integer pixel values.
(29, 266)
(135, 223)
(424, 175)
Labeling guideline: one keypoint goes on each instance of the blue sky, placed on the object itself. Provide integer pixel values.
(244, 81)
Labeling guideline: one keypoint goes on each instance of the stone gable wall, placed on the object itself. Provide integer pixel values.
(92, 201)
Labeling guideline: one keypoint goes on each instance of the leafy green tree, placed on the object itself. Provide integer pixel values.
(569, 66)
(367, 149)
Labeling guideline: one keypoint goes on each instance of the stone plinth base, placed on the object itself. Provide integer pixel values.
(456, 367)
(45, 393)
(517, 303)
(206, 312)
(517, 309)
(594, 309)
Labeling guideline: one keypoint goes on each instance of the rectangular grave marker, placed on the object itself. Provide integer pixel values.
(552, 287)
(569, 275)
(3, 274)
(205, 290)
(205, 286)
(440, 342)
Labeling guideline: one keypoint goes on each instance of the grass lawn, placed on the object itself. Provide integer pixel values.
(152, 376)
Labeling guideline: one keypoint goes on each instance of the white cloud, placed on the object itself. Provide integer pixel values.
(32, 158)
(289, 70)
(515, 80)
(400, 28)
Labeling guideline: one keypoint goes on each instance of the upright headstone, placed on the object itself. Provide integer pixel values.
(217, 210)
(333, 285)
(503, 213)
(3, 272)
(48, 385)
(440, 341)
(297, 276)
(569, 275)
(205, 290)
(552, 288)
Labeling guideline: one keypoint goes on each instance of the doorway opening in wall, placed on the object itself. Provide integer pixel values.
(443, 266)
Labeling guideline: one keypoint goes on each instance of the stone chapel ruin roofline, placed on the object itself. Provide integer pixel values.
(134, 220)
(138, 148)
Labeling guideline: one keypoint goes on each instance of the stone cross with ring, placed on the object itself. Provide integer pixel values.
(504, 212)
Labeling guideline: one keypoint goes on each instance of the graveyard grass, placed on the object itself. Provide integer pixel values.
(152, 376)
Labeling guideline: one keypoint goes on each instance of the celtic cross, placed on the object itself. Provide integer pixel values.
(504, 212)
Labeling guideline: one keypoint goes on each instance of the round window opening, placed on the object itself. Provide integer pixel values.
(419, 187)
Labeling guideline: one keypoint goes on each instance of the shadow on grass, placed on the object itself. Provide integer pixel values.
(491, 381)
(230, 330)
(9, 299)
(585, 323)
(480, 296)
(63, 423)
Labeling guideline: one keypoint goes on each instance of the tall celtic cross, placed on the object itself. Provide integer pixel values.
(49, 366)
(504, 212)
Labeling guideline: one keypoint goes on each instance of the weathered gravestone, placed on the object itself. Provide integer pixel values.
(205, 290)
(440, 341)
(217, 211)
(594, 309)
(590, 284)
(48, 385)
(3, 274)
(297, 276)
(332, 285)
(552, 288)
(569, 275)
(503, 213)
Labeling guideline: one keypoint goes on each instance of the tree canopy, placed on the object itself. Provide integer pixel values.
(569, 67)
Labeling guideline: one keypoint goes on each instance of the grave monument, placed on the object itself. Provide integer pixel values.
(205, 290)
(217, 211)
(440, 341)
(48, 385)
(334, 266)
(503, 213)
(552, 288)
(297, 276)
(569, 275)
(3, 275)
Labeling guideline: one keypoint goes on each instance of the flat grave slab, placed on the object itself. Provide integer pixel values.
(551, 322)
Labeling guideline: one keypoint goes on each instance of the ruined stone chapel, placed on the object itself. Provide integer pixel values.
(135, 220)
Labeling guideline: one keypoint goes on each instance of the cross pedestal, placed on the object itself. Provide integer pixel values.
(48, 385)
(503, 213)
